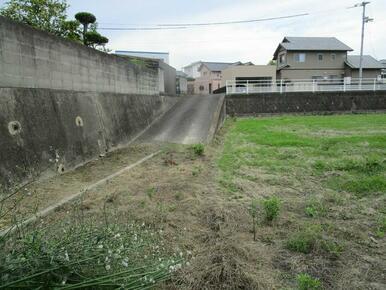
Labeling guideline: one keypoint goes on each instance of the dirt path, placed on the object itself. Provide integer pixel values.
(43, 194)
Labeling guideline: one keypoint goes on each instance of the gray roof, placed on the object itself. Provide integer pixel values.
(216, 66)
(181, 74)
(383, 62)
(312, 43)
(368, 62)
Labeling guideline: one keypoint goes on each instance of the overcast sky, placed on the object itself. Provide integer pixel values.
(254, 42)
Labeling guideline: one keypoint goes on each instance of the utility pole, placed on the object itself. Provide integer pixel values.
(365, 20)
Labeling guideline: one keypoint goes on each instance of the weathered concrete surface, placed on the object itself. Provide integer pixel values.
(305, 102)
(44, 130)
(31, 58)
(194, 119)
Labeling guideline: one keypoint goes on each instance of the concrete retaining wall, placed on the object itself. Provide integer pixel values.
(44, 130)
(305, 102)
(32, 58)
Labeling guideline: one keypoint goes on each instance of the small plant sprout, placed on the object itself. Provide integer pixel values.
(271, 208)
(306, 282)
(198, 149)
(253, 213)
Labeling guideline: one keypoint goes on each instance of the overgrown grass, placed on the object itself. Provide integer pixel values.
(85, 255)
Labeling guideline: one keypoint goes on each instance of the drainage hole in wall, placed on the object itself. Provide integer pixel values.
(79, 121)
(61, 168)
(14, 127)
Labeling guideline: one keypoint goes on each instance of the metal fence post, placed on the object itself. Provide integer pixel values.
(247, 87)
(344, 85)
(313, 86)
(281, 86)
(375, 84)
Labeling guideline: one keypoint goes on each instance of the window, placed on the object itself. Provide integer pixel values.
(320, 56)
(333, 56)
(281, 58)
(300, 57)
(205, 73)
(202, 88)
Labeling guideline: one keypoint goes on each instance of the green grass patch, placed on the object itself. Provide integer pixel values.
(306, 282)
(345, 152)
(304, 241)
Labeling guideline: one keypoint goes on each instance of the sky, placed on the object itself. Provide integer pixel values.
(254, 42)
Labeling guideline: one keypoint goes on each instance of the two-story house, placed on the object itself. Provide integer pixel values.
(311, 58)
(210, 77)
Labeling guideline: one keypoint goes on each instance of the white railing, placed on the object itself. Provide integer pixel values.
(309, 85)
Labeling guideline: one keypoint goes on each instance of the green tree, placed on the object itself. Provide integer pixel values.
(48, 15)
(94, 39)
(85, 19)
(272, 62)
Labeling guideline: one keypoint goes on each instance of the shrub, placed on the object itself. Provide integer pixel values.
(306, 282)
(304, 241)
(271, 208)
(198, 149)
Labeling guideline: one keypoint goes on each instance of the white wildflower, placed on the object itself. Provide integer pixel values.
(66, 257)
(117, 236)
(100, 246)
(108, 267)
(125, 264)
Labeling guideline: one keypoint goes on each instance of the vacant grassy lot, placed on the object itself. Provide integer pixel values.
(294, 202)
(330, 174)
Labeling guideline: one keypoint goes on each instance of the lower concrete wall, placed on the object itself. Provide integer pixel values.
(45, 130)
(305, 102)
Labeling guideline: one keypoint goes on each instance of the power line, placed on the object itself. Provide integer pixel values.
(186, 25)
(237, 21)
(141, 28)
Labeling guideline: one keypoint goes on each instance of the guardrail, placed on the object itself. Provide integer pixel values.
(306, 85)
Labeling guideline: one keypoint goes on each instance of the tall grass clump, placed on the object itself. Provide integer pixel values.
(305, 240)
(85, 255)
(306, 282)
(271, 208)
(198, 149)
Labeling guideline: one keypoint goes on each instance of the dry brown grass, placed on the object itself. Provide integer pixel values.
(182, 195)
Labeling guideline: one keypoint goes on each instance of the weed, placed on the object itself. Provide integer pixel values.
(271, 208)
(198, 149)
(178, 195)
(196, 170)
(315, 208)
(150, 192)
(306, 282)
(332, 247)
(84, 255)
(305, 240)
(381, 229)
(253, 213)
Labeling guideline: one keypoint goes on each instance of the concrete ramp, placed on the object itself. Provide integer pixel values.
(194, 119)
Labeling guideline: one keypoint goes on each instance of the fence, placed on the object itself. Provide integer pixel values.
(304, 85)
